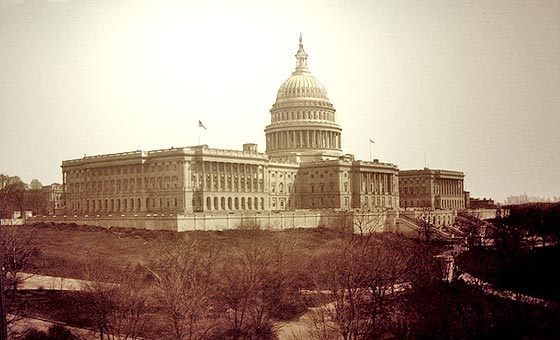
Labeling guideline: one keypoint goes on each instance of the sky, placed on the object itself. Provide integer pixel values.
(472, 86)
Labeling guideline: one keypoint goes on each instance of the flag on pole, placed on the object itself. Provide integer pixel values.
(200, 125)
(371, 141)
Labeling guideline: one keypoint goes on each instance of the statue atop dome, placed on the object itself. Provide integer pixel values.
(301, 56)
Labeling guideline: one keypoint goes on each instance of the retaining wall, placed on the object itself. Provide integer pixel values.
(383, 220)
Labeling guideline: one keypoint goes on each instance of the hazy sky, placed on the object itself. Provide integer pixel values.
(473, 85)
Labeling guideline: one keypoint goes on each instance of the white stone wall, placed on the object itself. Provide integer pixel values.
(381, 220)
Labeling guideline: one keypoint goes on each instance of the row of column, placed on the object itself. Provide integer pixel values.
(221, 176)
(108, 205)
(121, 205)
(451, 187)
(303, 115)
(236, 203)
(382, 183)
(303, 139)
(452, 203)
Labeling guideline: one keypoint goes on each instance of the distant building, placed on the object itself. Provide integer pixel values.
(482, 203)
(431, 189)
(52, 196)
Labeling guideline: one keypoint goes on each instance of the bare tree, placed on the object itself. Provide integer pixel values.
(184, 274)
(427, 228)
(17, 252)
(11, 195)
(365, 222)
(33, 201)
(35, 184)
(359, 277)
(257, 285)
(116, 302)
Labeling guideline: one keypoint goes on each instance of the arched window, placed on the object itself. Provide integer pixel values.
(215, 203)
(237, 203)
(229, 203)
(249, 203)
(262, 203)
(223, 201)
(242, 203)
(208, 203)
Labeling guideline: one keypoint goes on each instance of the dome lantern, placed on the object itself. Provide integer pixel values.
(301, 56)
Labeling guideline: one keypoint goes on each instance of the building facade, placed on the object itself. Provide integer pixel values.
(303, 168)
(431, 189)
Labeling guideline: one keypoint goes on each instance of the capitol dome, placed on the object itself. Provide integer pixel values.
(301, 84)
(303, 120)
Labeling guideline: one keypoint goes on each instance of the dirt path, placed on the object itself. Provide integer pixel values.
(310, 324)
(36, 281)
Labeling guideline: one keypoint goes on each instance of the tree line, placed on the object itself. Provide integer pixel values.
(16, 195)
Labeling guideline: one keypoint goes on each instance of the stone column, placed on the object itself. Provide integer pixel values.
(311, 138)
(249, 170)
(203, 174)
(210, 172)
(339, 135)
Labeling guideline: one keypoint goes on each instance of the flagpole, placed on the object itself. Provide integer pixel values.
(198, 134)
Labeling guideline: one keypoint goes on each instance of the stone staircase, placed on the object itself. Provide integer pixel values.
(445, 233)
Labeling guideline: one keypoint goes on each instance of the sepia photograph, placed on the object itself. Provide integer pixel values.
(279, 170)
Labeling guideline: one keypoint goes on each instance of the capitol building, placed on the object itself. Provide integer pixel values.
(302, 179)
